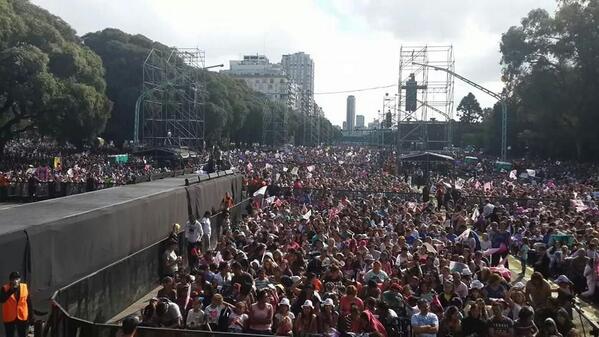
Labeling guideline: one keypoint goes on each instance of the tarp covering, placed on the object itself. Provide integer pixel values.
(56, 242)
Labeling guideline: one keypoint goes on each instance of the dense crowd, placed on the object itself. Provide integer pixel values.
(336, 244)
(28, 167)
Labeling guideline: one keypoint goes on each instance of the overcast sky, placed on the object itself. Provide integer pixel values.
(354, 43)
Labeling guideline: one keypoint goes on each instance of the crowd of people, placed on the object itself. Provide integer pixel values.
(336, 244)
(34, 169)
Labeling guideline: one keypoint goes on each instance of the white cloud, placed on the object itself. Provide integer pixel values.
(355, 44)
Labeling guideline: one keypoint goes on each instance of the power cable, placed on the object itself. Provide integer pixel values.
(355, 90)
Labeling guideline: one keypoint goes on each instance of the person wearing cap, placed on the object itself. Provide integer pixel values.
(565, 292)
(283, 320)
(306, 322)
(16, 306)
(424, 323)
(329, 317)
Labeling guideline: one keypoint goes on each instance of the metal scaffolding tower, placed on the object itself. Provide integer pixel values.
(388, 118)
(172, 99)
(432, 100)
(274, 127)
(311, 129)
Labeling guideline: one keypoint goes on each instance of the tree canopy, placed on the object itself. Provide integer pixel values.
(470, 110)
(49, 81)
(233, 111)
(551, 71)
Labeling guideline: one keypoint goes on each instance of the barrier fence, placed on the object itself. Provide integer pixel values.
(587, 327)
(80, 308)
(317, 193)
(24, 191)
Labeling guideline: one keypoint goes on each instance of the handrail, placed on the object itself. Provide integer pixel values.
(594, 331)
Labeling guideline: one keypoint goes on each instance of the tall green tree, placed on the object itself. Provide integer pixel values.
(49, 81)
(551, 70)
(470, 110)
(233, 111)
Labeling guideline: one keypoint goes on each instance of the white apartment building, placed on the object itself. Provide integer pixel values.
(300, 68)
(268, 78)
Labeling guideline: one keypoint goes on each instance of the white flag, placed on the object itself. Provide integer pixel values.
(294, 170)
(261, 191)
(531, 173)
(307, 215)
(513, 174)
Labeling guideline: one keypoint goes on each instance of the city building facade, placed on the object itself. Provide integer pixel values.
(268, 78)
(300, 68)
(359, 121)
(350, 115)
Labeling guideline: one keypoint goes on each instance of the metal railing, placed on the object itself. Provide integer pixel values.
(587, 326)
(84, 297)
(21, 191)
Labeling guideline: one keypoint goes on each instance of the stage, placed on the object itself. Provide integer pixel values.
(55, 242)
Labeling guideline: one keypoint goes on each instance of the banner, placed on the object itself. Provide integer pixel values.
(261, 191)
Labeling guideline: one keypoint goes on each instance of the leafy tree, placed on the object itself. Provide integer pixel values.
(470, 110)
(233, 111)
(551, 71)
(49, 81)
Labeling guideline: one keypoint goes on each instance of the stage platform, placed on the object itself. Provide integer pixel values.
(55, 242)
(22, 216)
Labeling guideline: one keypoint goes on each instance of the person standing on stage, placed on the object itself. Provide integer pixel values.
(16, 306)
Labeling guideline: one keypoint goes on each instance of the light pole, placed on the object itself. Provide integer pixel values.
(150, 91)
(502, 98)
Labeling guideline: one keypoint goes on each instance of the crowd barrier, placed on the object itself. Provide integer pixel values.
(316, 193)
(586, 326)
(81, 308)
(22, 191)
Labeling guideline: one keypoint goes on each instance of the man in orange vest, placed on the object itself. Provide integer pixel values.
(16, 306)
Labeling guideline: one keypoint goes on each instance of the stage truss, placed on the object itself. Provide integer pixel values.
(311, 129)
(388, 118)
(274, 127)
(172, 98)
(435, 99)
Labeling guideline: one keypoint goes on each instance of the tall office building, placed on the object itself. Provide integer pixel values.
(350, 115)
(359, 121)
(300, 68)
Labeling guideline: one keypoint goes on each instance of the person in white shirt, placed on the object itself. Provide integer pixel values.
(488, 208)
(207, 229)
(195, 316)
(376, 273)
(193, 236)
(460, 288)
